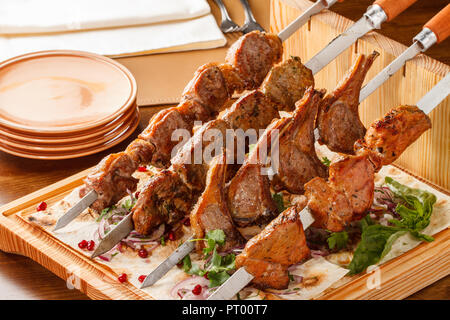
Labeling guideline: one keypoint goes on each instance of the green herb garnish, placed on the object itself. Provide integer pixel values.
(377, 240)
(163, 241)
(338, 240)
(279, 201)
(217, 266)
(326, 161)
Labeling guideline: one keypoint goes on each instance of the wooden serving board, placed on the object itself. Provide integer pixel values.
(429, 156)
(400, 277)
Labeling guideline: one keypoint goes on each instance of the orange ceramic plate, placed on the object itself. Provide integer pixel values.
(69, 155)
(63, 91)
(29, 139)
(40, 147)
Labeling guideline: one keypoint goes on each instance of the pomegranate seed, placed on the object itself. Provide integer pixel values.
(142, 278)
(82, 244)
(136, 195)
(142, 169)
(180, 264)
(122, 278)
(187, 222)
(143, 253)
(206, 275)
(42, 206)
(197, 290)
(91, 245)
(171, 235)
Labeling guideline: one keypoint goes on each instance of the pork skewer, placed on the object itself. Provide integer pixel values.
(112, 177)
(406, 122)
(249, 199)
(436, 30)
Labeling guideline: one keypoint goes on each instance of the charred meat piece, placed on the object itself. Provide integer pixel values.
(286, 83)
(345, 197)
(298, 161)
(164, 199)
(268, 255)
(232, 78)
(211, 211)
(254, 55)
(249, 197)
(338, 119)
(109, 179)
(387, 138)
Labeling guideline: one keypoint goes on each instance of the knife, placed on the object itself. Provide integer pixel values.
(376, 14)
(85, 202)
(436, 30)
(241, 278)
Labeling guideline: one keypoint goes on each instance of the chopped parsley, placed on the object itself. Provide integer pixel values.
(326, 161)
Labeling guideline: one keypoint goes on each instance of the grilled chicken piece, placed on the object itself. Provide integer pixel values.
(211, 211)
(345, 197)
(164, 199)
(298, 161)
(254, 55)
(249, 197)
(338, 119)
(268, 255)
(286, 83)
(387, 138)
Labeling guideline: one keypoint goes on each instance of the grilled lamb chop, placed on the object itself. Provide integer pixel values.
(205, 96)
(211, 211)
(388, 137)
(268, 255)
(298, 159)
(338, 119)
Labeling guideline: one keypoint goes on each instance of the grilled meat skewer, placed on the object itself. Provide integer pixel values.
(248, 62)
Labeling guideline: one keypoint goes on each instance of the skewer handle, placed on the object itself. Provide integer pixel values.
(440, 24)
(393, 8)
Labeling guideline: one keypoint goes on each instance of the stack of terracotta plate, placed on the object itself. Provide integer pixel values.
(65, 104)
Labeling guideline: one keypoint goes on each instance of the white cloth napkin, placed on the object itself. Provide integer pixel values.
(180, 35)
(39, 16)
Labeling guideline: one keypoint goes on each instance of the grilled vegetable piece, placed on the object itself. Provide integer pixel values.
(338, 119)
(298, 159)
(387, 138)
(211, 211)
(345, 197)
(268, 255)
(287, 82)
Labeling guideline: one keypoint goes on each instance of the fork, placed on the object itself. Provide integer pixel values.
(250, 21)
(227, 25)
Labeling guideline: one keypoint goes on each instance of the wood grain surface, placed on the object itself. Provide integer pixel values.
(21, 278)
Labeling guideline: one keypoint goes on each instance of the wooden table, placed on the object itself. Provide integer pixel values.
(22, 278)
